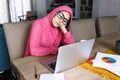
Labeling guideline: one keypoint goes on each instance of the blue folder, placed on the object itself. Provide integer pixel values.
(4, 56)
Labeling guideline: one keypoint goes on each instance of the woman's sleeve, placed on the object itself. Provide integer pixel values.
(35, 48)
(67, 38)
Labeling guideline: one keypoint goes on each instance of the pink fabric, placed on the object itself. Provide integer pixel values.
(44, 38)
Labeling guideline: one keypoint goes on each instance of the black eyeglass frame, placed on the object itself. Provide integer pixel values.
(60, 16)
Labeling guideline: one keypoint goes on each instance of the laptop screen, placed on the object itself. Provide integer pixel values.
(69, 56)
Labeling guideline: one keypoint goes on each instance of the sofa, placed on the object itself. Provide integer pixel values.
(107, 25)
(16, 34)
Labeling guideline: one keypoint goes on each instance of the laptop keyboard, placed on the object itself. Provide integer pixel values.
(52, 65)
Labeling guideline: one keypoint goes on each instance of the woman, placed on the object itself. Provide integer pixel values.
(47, 33)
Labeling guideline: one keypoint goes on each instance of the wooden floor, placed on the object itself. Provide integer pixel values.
(6, 75)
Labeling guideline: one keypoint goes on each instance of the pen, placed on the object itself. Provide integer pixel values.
(35, 72)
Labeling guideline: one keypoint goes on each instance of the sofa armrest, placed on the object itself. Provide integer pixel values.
(16, 37)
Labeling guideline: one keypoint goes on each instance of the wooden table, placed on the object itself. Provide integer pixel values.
(25, 66)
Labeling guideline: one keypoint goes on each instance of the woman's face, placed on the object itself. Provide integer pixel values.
(61, 19)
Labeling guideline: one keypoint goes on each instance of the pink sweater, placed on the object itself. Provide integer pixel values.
(44, 38)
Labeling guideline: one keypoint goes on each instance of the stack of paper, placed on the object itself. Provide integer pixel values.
(108, 61)
(57, 76)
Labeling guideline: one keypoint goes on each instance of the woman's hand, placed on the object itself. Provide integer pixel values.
(63, 28)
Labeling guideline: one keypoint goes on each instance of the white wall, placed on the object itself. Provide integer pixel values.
(101, 8)
(115, 8)
(41, 8)
(106, 8)
(95, 9)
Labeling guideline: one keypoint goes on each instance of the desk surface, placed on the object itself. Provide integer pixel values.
(25, 66)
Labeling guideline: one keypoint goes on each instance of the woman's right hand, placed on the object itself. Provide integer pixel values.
(63, 28)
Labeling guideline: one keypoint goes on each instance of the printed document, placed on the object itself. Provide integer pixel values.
(108, 61)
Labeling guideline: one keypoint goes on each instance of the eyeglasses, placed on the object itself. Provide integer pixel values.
(61, 16)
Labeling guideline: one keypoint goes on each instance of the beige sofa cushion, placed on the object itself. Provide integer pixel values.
(107, 25)
(83, 29)
(16, 37)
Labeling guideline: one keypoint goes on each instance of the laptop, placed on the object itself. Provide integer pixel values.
(69, 56)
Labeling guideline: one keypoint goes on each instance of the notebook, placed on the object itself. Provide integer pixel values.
(69, 56)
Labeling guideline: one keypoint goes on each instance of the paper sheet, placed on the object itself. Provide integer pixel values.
(57, 76)
(108, 61)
